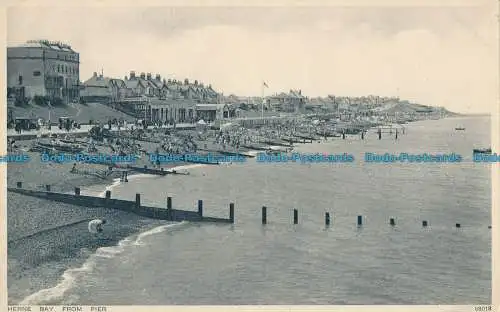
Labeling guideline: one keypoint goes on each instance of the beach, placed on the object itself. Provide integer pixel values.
(279, 256)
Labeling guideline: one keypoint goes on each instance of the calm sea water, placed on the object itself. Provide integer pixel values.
(282, 263)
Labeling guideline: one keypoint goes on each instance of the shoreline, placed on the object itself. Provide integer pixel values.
(99, 187)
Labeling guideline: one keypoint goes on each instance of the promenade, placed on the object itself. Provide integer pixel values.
(11, 133)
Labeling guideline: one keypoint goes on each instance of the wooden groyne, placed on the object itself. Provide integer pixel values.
(328, 219)
(226, 152)
(307, 137)
(276, 142)
(168, 213)
(293, 139)
(256, 147)
(153, 171)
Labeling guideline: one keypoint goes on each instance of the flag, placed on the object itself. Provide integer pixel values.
(265, 84)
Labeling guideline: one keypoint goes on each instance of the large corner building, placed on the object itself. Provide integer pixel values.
(43, 68)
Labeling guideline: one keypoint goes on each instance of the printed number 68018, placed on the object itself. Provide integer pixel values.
(482, 308)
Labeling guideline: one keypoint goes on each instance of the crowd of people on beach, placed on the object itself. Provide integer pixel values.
(233, 138)
(237, 136)
(179, 145)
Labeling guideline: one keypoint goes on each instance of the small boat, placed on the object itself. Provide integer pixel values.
(58, 145)
(482, 151)
(460, 128)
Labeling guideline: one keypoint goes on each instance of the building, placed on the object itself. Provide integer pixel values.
(43, 68)
(103, 89)
(213, 112)
(169, 110)
(293, 102)
(155, 99)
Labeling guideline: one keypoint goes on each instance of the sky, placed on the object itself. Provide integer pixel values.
(439, 56)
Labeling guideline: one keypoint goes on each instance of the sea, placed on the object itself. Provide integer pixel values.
(307, 263)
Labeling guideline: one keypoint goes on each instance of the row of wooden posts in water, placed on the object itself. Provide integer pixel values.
(328, 220)
(392, 221)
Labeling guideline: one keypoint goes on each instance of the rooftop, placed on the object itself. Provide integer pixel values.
(54, 45)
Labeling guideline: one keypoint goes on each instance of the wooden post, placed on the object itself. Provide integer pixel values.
(295, 216)
(169, 208)
(200, 208)
(360, 220)
(264, 215)
(392, 222)
(327, 218)
(424, 223)
(77, 191)
(231, 212)
(457, 225)
(137, 201)
(19, 184)
(47, 187)
(108, 194)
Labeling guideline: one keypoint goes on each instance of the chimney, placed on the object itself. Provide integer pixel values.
(196, 82)
(174, 81)
(148, 76)
(300, 92)
(95, 74)
(169, 81)
(143, 75)
(125, 78)
(201, 85)
(164, 81)
(158, 77)
(132, 74)
(186, 81)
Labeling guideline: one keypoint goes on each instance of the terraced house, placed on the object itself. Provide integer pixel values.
(103, 89)
(151, 98)
(156, 99)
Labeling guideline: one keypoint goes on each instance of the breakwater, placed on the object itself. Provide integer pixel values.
(168, 213)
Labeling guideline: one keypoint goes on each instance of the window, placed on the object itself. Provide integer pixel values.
(58, 68)
(36, 73)
(20, 80)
